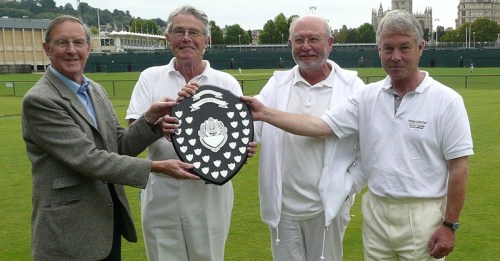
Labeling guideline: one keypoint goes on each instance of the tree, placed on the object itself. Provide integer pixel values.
(281, 29)
(440, 32)
(12, 12)
(46, 15)
(485, 30)
(249, 32)
(236, 35)
(47, 9)
(450, 35)
(30, 5)
(342, 35)
(94, 30)
(143, 26)
(427, 35)
(68, 9)
(150, 27)
(266, 35)
(47, 5)
(366, 33)
(276, 31)
(217, 37)
(136, 25)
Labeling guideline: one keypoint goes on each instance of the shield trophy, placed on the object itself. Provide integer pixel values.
(214, 130)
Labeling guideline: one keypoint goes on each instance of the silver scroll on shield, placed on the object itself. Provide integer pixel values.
(213, 135)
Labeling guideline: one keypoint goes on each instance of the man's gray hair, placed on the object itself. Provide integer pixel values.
(189, 10)
(402, 23)
(64, 18)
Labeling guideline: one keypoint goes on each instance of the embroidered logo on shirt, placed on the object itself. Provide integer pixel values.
(415, 124)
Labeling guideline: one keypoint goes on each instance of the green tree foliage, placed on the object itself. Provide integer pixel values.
(94, 30)
(47, 5)
(276, 31)
(341, 35)
(450, 35)
(47, 9)
(427, 34)
(150, 27)
(440, 32)
(346, 35)
(46, 15)
(483, 30)
(266, 35)
(217, 37)
(143, 26)
(13, 12)
(236, 35)
(136, 25)
(365, 33)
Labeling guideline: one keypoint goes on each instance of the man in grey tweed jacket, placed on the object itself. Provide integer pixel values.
(78, 155)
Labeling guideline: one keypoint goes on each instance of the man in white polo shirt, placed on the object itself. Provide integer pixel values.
(415, 139)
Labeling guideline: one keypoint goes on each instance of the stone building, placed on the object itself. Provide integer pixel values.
(21, 44)
(470, 10)
(21, 47)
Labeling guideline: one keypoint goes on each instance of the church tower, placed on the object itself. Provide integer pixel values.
(403, 5)
(425, 18)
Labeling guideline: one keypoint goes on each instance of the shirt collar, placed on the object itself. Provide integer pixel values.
(328, 82)
(73, 86)
(387, 84)
(206, 64)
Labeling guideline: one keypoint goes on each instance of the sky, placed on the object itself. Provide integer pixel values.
(253, 14)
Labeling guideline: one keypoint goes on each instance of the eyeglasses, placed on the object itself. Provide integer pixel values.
(299, 41)
(78, 43)
(179, 33)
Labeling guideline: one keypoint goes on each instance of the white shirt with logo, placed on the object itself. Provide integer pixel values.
(404, 154)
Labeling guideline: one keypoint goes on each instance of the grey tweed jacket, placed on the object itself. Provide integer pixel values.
(72, 164)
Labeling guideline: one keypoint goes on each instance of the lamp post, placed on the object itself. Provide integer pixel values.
(282, 42)
(474, 38)
(239, 41)
(437, 20)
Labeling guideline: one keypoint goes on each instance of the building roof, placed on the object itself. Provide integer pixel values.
(24, 23)
(138, 35)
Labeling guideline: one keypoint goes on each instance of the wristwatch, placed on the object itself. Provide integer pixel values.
(451, 225)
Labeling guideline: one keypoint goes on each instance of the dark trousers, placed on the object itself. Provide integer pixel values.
(116, 249)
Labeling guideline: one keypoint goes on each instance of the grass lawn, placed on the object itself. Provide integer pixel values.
(477, 238)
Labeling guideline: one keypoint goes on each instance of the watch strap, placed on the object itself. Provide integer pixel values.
(451, 225)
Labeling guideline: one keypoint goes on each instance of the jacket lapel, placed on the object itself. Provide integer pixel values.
(70, 96)
(101, 108)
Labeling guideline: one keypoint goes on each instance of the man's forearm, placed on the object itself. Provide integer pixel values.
(457, 187)
(297, 124)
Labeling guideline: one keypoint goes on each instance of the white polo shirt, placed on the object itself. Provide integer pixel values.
(404, 153)
(160, 81)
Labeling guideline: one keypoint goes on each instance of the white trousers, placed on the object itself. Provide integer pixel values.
(302, 240)
(399, 229)
(185, 219)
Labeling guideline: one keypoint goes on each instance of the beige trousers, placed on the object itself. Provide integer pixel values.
(399, 229)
